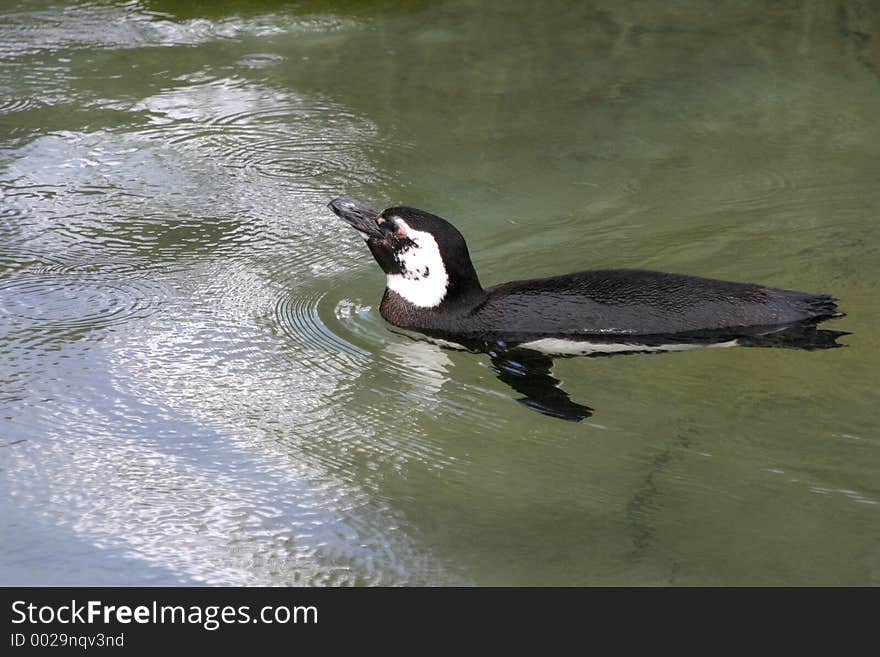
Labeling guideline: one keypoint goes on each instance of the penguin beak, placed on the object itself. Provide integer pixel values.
(361, 218)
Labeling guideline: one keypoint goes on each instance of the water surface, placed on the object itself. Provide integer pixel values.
(196, 386)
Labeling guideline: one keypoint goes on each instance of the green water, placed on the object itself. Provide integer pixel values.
(195, 383)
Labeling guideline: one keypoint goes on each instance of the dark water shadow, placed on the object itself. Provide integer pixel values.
(529, 372)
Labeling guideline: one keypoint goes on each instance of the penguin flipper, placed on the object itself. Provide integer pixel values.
(528, 372)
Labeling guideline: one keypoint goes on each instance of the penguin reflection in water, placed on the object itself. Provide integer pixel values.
(433, 289)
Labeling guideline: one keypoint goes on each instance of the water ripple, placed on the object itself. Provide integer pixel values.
(418, 371)
(261, 60)
(128, 25)
(298, 317)
(289, 140)
(60, 298)
(12, 104)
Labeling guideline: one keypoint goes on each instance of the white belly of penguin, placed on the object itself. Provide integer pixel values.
(562, 347)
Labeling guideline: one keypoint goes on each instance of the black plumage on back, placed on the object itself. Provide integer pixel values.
(433, 288)
(638, 302)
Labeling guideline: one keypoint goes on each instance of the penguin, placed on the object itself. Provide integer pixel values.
(432, 289)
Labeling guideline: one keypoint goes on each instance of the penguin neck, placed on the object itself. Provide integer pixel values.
(462, 295)
(461, 298)
(464, 290)
(430, 282)
(457, 295)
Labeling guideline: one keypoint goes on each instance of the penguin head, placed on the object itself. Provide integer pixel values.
(424, 257)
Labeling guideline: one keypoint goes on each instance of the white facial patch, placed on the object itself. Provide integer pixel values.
(422, 279)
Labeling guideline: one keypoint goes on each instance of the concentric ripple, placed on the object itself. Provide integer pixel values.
(361, 320)
(275, 135)
(298, 317)
(59, 298)
(16, 258)
(419, 371)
